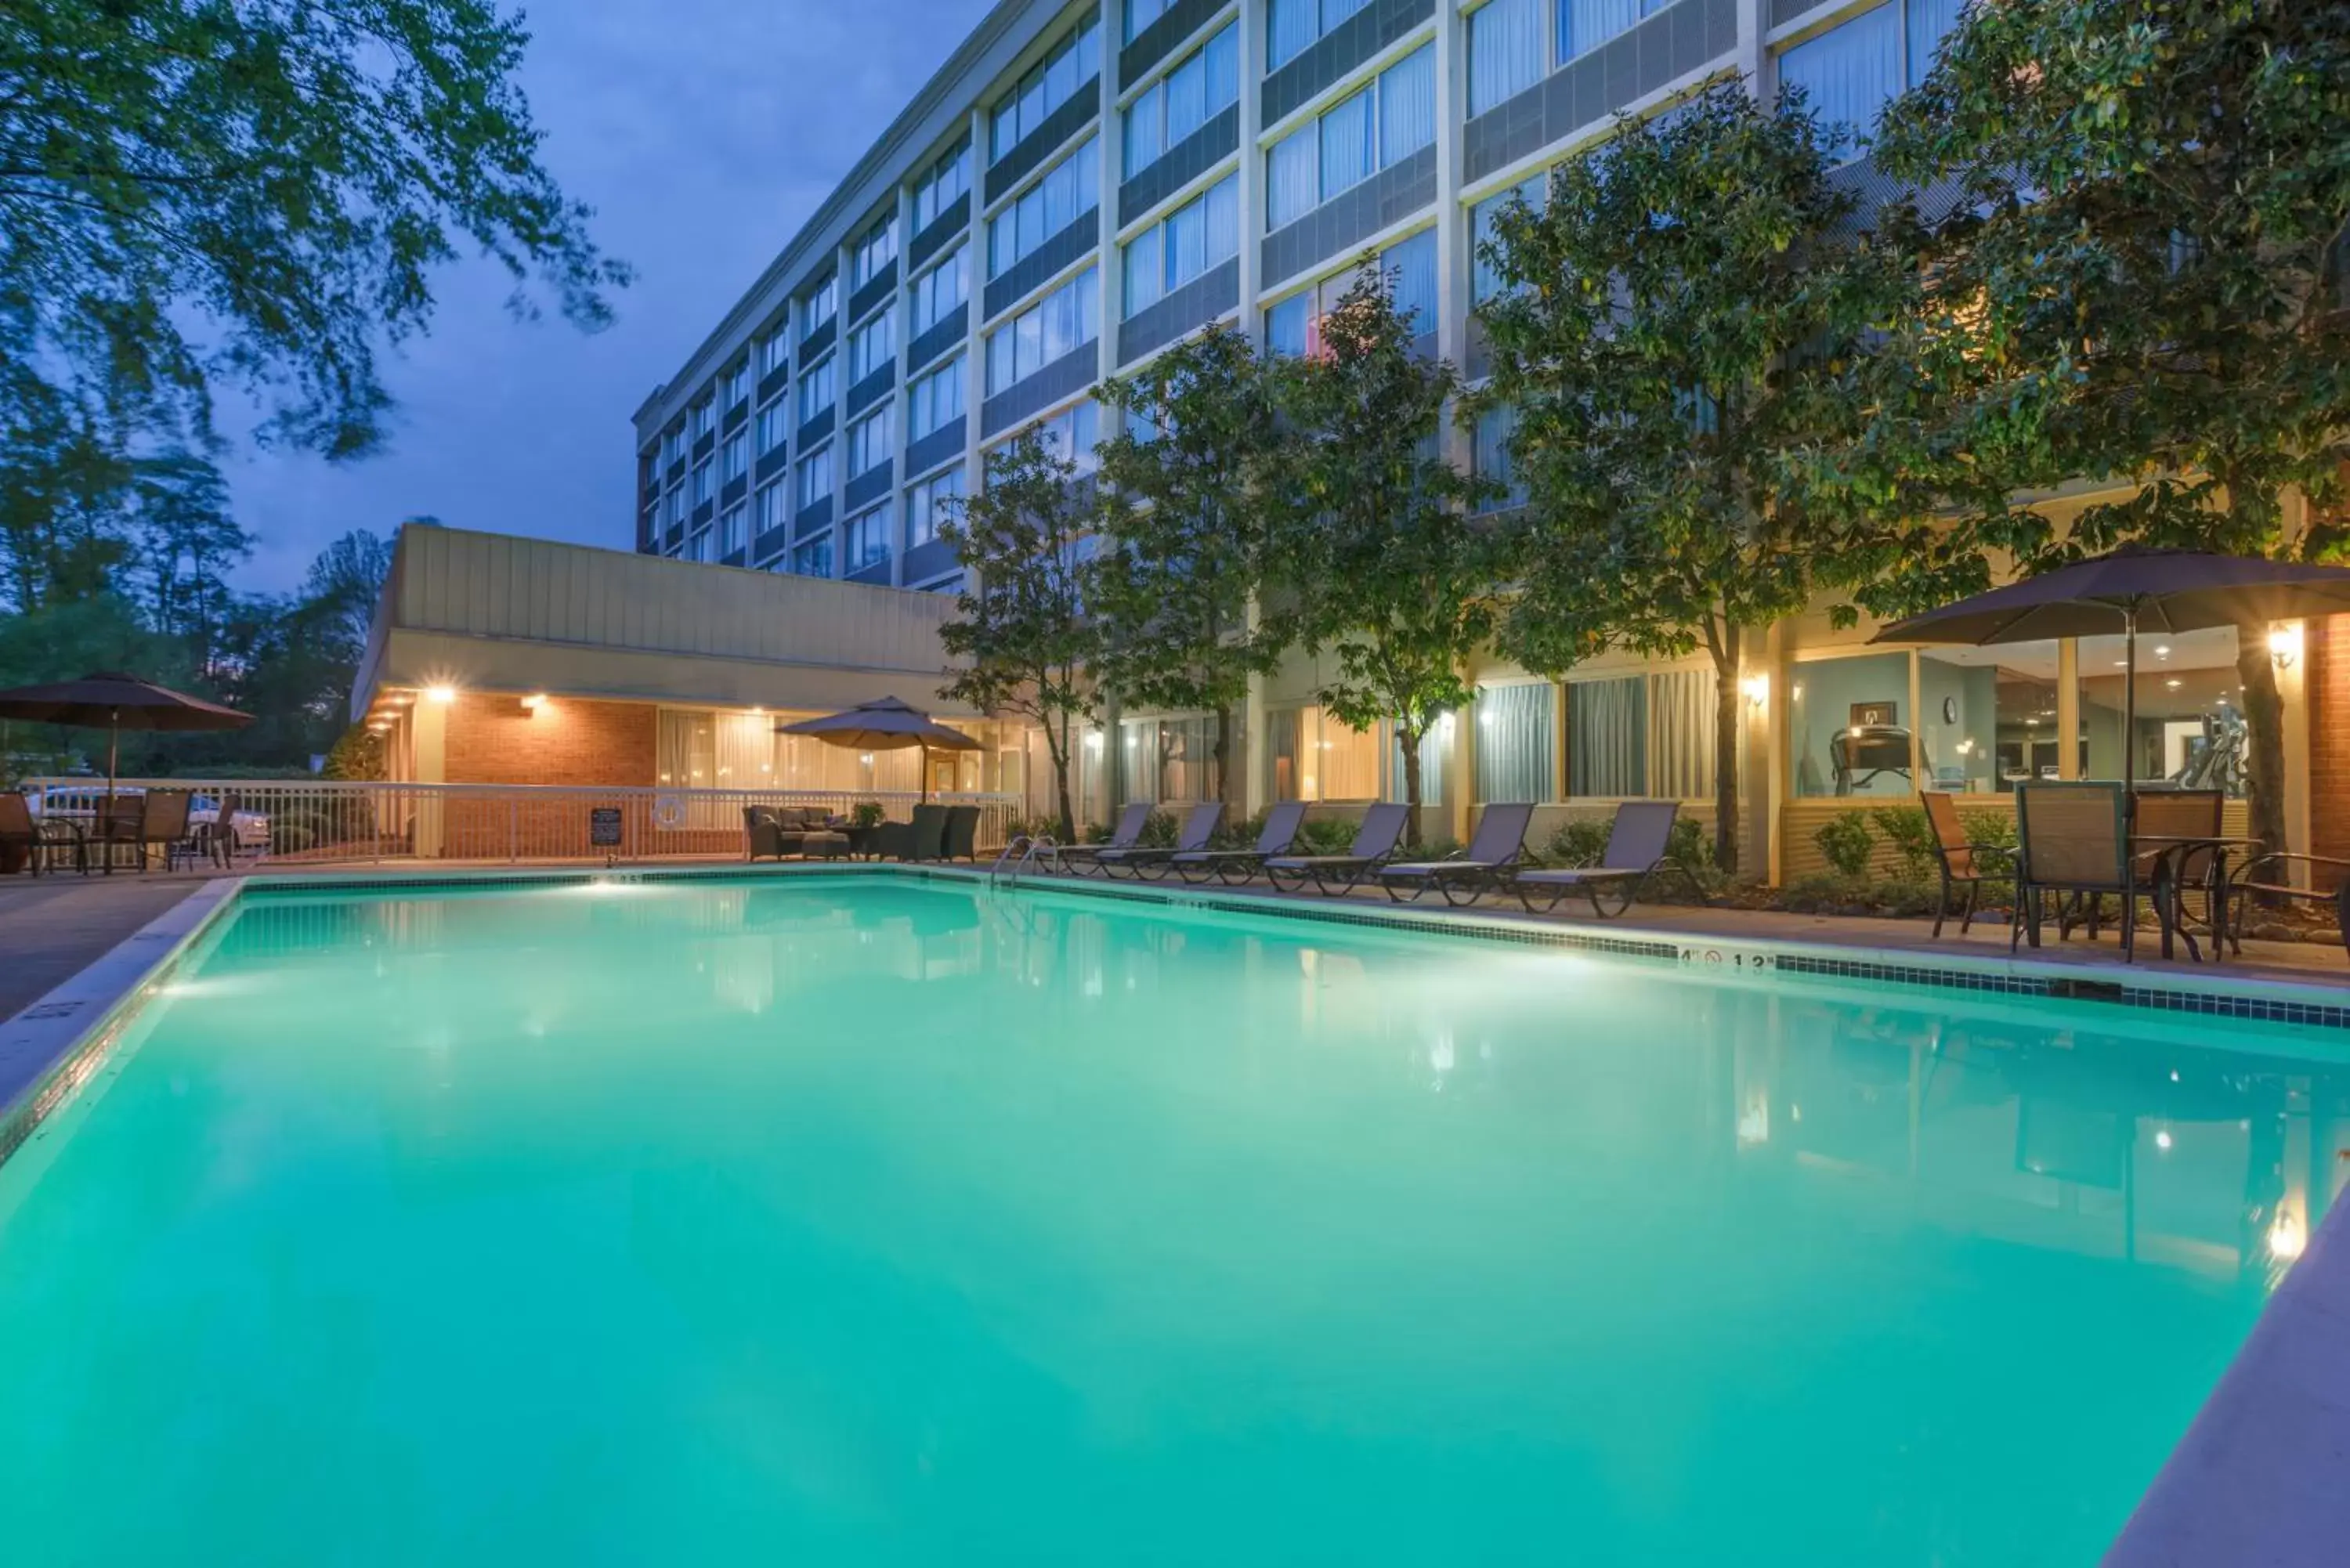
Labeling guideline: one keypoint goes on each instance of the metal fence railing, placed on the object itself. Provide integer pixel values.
(318, 820)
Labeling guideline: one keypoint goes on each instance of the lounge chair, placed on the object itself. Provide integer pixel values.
(1153, 860)
(1234, 867)
(2073, 839)
(925, 838)
(1493, 848)
(1637, 841)
(1127, 835)
(1964, 864)
(1375, 845)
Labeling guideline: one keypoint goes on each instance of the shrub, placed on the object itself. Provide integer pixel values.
(1825, 893)
(1327, 835)
(1912, 837)
(866, 814)
(1579, 843)
(1845, 840)
(1159, 830)
(1237, 833)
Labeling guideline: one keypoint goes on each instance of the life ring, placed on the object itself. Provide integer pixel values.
(668, 810)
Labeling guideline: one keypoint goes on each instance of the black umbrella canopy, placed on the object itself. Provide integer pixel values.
(114, 703)
(2157, 590)
(884, 724)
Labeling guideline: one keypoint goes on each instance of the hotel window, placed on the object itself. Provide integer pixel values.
(941, 184)
(872, 347)
(868, 442)
(1490, 453)
(1292, 25)
(730, 530)
(2191, 730)
(814, 478)
(875, 251)
(774, 424)
(812, 559)
(704, 417)
(1073, 434)
(935, 400)
(1069, 190)
(673, 506)
(738, 384)
(1049, 84)
(737, 456)
(673, 445)
(1315, 757)
(701, 548)
(1850, 72)
(819, 305)
(1484, 279)
(867, 538)
(1184, 100)
(1516, 756)
(1201, 233)
(932, 503)
(1140, 13)
(1294, 325)
(1059, 324)
(815, 390)
(1353, 139)
(1643, 735)
(774, 508)
(774, 351)
(942, 291)
(1513, 44)
(701, 483)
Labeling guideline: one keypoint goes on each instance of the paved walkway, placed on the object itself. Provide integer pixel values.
(53, 927)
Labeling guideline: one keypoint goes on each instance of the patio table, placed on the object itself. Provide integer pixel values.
(2171, 853)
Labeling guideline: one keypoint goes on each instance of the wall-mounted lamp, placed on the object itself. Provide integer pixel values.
(533, 703)
(2284, 644)
(1758, 691)
(444, 695)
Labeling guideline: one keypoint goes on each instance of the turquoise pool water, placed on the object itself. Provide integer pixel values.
(871, 1222)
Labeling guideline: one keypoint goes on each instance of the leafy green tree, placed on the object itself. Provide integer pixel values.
(259, 193)
(183, 542)
(62, 498)
(2136, 216)
(1375, 547)
(345, 581)
(1031, 648)
(1671, 333)
(1187, 544)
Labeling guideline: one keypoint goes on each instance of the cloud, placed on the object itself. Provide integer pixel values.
(704, 132)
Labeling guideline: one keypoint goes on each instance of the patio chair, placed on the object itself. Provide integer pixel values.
(161, 822)
(962, 834)
(1153, 860)
(924, 838)
(115, 820)
(1636, 842)
(2073, 839)
(1493, 848)
(38, 837)
(2174, 870)
(1234, 867)
(1124, 836)
(216, 840)
(2266, 873)
(1965, 863)
(1374, 847)
(762, 835)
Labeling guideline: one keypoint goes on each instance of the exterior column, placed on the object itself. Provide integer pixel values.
(430, 750)
(1253, 15)
(1460, 771)
(2068, 708)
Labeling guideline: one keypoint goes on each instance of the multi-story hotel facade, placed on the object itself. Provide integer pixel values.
(1080, 186)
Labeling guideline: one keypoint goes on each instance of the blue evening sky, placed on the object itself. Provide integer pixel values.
(703, 132)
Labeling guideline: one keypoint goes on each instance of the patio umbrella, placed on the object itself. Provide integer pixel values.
(112, 702)
(884, 724)
(2130, 591)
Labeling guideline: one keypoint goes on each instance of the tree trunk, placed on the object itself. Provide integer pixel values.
(1059, 749)
(2264, 716)
(1728, 702)
(1220, 788)
(1410, 741)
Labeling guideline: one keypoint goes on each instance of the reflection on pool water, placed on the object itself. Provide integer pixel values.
(867, 1222)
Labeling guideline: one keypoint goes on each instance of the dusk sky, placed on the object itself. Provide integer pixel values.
(703, 132)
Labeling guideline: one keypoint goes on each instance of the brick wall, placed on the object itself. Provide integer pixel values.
(2328, 653)
(568, 741)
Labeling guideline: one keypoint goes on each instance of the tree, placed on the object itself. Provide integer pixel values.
(2142, 240)
(1188, 543)
(192, 191)
(1674, 321)
(1033, 651)
(346, 579)
(1376, 549)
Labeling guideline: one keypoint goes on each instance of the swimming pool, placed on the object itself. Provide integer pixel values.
(873, 1221)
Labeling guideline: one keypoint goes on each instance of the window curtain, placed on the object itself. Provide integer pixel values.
(1283, 733)
(1292, 25)
(1431, 766)
(1606, 737)
(1407, 106)
(1145, 269)
(1349, 152)
(1289, 178)
(1138, 759)
(1146, 127)
(1345, 763)
(1849, 73)
(1410, 267)
(1187, 99)
(1224, 208)
(1929, 22)
(1284, 325)
(1507, 52)
(1584, 25)
(1680, 734)
(1517, 743)
(1187, 243)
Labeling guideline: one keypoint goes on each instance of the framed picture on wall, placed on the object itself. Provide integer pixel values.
(1865, 715)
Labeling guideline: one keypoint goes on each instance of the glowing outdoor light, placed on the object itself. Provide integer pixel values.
(2284, 645)
(441, 694)
(533, 703)
(1757, 688)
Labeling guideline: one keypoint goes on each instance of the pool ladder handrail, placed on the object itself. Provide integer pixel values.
(1021, 851)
